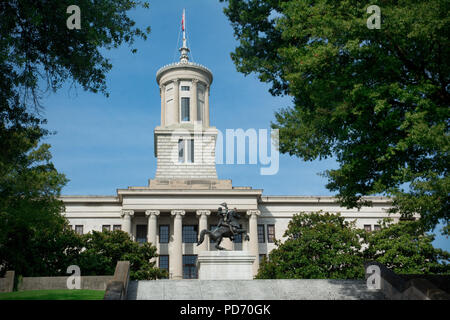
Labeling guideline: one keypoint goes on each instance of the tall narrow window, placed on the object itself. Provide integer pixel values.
(271, 233)
(164, 262)
(185, 106)
(180, 150)
(190, 234)
(190, 266)
(141, 233)
(79, 229)
(261, 235)
(186, 151)
(164, 233)
(190, 150)
(200, 104)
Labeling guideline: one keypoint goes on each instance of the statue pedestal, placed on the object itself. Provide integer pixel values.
(225, 265)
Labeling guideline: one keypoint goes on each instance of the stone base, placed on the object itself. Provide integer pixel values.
(184, 184)
(225, 265)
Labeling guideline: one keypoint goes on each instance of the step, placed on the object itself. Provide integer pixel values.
(279, 289)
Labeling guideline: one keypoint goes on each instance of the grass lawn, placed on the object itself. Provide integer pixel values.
(53, 295)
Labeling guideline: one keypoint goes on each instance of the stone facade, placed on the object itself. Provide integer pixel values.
(184, 196)
(203, 165)
(176, 208)
(225, 265)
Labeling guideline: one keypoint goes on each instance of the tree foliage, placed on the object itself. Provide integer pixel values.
(375, 99)
(317, 246)
(38, 53)
(405, 247)
(29, 186)
(102, 250)
(49, 252)
(324, 246)
(37, 48)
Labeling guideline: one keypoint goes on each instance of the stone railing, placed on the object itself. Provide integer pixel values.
(7, 283)
(120, 280)
(117, 288)
(59, 283)
(408, 287)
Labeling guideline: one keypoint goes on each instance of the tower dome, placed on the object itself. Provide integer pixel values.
(184, 141)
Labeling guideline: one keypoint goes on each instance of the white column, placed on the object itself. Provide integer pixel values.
(126, 223)
(152, 226)
(203, 224)
(176, 101)
(253, 246)
(176, 256)
(194, 100)
(206, 106)
(163, 105)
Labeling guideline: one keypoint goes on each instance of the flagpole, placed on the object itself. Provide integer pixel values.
(184, 58)
(184, 28)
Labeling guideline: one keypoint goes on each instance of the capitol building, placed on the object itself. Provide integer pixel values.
(184, 196)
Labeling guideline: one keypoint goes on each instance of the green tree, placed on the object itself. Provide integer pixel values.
(102, 250)
(50, 252)
(404, 247)
(39, 53)
(375, 99)
(37, 48)
(317, 246)
(29, 208)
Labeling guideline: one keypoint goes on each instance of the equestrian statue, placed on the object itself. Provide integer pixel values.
(228, 227)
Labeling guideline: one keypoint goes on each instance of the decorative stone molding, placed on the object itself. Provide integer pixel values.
(178, 213)
(203, 212)
(176, 65)
(152, 212)
(253, 212)
(127, 213)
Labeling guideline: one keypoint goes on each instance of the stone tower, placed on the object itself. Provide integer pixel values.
(185, 142)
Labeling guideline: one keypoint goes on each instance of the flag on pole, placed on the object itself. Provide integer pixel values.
(182, 22)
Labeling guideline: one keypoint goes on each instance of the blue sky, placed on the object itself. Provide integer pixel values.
(103, 143)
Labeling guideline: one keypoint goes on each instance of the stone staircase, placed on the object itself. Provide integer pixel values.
(280, 289)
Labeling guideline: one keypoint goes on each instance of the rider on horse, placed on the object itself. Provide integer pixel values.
(227, 227)
(228, 219)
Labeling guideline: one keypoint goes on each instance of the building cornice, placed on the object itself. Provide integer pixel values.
(181, 65)
(195, 192)
(317, 199)
(90, 199)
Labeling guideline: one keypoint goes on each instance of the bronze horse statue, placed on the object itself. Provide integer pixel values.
(228, 227)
